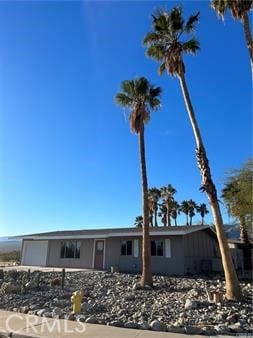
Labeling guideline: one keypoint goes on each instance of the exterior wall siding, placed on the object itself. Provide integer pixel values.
(85, 260)
(202, 254)
(194, 253)
(164, 265)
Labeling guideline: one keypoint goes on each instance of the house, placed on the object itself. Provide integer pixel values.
(175, 250)
(242, 255)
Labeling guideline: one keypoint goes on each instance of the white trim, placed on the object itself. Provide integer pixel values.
(117, 234)
(136, 248)
(94, 250)
(167, 248)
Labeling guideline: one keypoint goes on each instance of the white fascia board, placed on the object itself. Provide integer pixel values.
(119, 234)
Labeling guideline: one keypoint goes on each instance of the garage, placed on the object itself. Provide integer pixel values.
(35, 253)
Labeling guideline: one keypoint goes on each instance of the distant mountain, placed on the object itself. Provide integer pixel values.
(9, 245)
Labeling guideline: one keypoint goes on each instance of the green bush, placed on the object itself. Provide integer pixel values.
(10, 256)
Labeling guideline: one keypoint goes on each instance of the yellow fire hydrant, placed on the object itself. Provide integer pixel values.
(76, 300)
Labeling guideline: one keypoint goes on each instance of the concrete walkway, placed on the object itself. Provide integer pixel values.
(22, 325)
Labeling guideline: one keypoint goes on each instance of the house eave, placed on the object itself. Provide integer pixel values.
(113, 234)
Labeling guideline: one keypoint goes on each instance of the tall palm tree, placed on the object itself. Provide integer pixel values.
(154, 195)
(185, 208)
(192, 208)
(167, 193)
(240, 11)
(138, 222)
(175, 211)
(140, 97)
(150, 211)
(202, 210)
(165, 43)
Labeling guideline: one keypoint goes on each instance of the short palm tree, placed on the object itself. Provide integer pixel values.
(154, 196)
(233, 198)
(140, 97)
(175, 211)
(163, 214)
(202, 210)
(166, 44)
(138, 222)
(185, 208)
(167, 193)
(192, 208)
(240, 11)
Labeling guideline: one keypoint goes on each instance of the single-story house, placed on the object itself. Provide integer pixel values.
(242, 254)
(175, 250)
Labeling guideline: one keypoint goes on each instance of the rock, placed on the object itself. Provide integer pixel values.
(129, 297)
(131, 325)
(116, 323)
(144, 325)
(209, 331)
(57, 313)
(176, 329)
(137, 286)
(236, 328)
(85, 307)
(221, 329)
(193, 330)
(157, 325)
(70, 316)
(41, 312)
(80, 318)
(47, 314)
(190, 304)
(24, 309)
(91, 320)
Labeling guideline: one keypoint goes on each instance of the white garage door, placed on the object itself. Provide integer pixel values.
(35, 253)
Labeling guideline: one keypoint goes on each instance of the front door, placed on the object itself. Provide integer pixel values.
(99, 255)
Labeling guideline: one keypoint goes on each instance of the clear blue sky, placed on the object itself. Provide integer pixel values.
(67, 157)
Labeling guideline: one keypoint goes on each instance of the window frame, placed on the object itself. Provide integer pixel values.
(157, 244)
(77, 249)
(126, 254)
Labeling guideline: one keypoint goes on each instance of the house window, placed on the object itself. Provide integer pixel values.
(126, 248)
(157, 247)
(70, 249)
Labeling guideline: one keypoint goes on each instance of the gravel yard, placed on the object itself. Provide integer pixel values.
(175, 304)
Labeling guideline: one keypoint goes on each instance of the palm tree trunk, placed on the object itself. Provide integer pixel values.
(168, 216)
(146, 277)
(187, 219)
(202, 220)
(233, 289)
(248, 38)
(243, 231)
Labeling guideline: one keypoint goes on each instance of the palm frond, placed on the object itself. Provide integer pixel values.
(154, 103)
(155, 51)
(191, 46)
(175, 19)
(191, 23)
(141, 86)
(123, 100)
(150, 37)
(128, 87)
(219, 6)
(162, 68)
